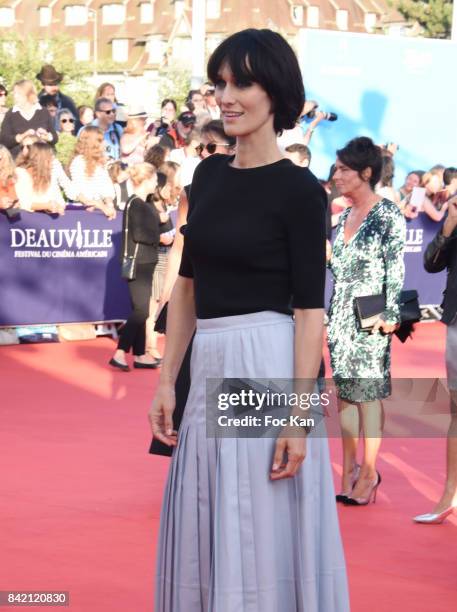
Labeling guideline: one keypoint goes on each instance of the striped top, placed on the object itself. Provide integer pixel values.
(96, 187)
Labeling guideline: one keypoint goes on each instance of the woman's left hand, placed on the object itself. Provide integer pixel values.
(295, 448)
(384, 327)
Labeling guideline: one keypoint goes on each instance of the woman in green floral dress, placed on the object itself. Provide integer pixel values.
(367, 259)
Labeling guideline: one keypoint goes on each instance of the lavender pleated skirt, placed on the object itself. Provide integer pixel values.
(231, 540)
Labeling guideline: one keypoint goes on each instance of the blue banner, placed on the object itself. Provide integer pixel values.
(393, 89)
(61, 269)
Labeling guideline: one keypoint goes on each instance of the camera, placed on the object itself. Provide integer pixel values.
(327, 116)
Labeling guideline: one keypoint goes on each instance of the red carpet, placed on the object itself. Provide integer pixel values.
(80, 496)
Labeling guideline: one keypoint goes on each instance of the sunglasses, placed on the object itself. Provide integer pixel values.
(67, 121)
(210, 147)
(107, 112)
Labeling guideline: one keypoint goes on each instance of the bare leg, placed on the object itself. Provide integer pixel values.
(372, 417)
(449, 496)
(350, 428)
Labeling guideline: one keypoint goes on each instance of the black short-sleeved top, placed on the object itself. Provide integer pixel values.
(255, 238)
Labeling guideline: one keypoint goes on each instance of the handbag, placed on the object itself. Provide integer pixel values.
(368, 309)
(128, 262)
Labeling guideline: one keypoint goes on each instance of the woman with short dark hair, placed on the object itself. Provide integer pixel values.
(247, 522)
(367, 259)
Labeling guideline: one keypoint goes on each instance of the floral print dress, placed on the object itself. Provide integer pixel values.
(370, 263)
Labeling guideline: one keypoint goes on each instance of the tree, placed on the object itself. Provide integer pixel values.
(23, 58)
(174, 82)
(434, 16)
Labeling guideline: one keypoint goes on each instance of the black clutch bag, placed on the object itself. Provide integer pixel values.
(368, 309)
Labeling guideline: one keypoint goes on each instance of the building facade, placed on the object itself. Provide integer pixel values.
(138, 37)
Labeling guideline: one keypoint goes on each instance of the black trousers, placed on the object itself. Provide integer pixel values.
(133, 334)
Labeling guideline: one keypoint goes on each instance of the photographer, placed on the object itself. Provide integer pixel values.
(177, 135)
(310, 112)
(168, 111)
(303, 131)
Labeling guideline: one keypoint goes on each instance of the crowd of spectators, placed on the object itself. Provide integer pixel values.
(423, 192)
(54, 153)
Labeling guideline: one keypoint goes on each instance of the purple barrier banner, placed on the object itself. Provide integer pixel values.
(66, 269)
(419, 233)
(61, 269)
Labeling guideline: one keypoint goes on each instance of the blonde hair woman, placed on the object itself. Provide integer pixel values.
(89, 174)
(8, 196)
(40, 178)
(106, 90)
(26, 118)
(142, 238)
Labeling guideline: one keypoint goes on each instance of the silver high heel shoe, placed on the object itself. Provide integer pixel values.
(433, 519)
(342, 497)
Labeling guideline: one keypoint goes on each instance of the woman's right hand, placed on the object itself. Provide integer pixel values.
(20, 137)
(161, 415)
